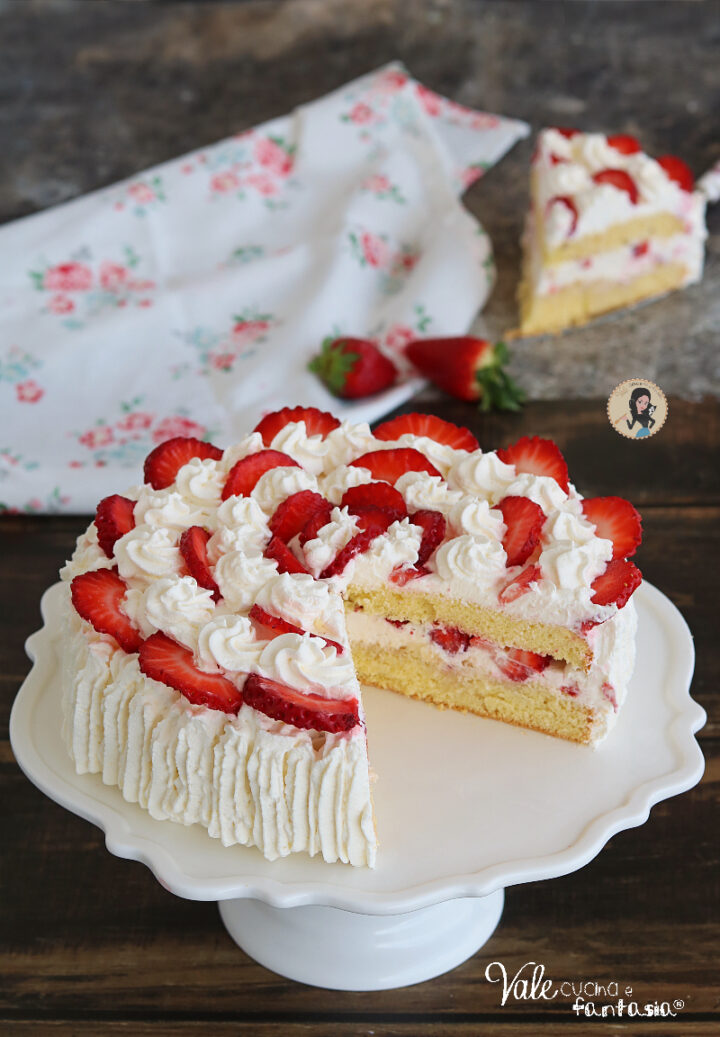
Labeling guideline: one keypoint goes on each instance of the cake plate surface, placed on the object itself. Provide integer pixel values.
(465, 807)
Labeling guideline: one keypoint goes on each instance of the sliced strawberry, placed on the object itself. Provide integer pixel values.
(428, 425)
(476, 641)
(570, 689)
(291, 517)
(624, 143)
(450, 639)
(537, 456)
(403, 574)
(566, 200)
(170, 663)
(359, 543)
(311, 529)
(615, 519)
(397, 622)
(244, 476)
(115, 516)
(164, 462)
(98, 597)
(555, 160)
(389, 465)
(520, 584)
(518, 664)
(433, 525)
(193, 548)
(609, 693)
(317, 422)
(281, 553)
(620, 179)
(377, 519)
(566, 131)
(310, 712)
(678, 171)
(281, 626)
(353, 367)
(641, 249)
(615, 585)
(375, 495)
(468, 368)
(524, 520)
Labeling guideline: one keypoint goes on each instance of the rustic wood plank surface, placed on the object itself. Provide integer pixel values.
(93, 944)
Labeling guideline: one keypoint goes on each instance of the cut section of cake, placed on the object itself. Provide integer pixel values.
(221, 615)
(608, 226)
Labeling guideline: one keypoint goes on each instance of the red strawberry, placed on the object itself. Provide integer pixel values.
(433, 526)
(389, 465)
(164, 462)
(537, 456)
(555, 160)
(193, 548)
(243, 476)
(620, 179)
(311, 712)
(615, 585)
(566, 200)
(641, 249)
(518, 664)
(468, 368)
(520, 584)
(281, 553)
(624, 143)
(615, 519)
(313, 527)
(401, 576)
(290, 517)
(356, 545)
(524, 520)
(281, 626)
(566, 131)
(98, 597)
(317, 422)
(678, 171)
(353, 367)
(450, 639)
(428, 425)
(378, 519)
(375, 495)
(166, 661)
(115, 516)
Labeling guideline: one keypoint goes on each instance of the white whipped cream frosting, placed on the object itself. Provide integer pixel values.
(277, 484)
(147, 553)
(300, 599)
(240, 577)
(422, 491)
(331, 538)
(178, 607)
(471, 561)
(309, 664)
(483, 475)
(309, 451)
(229, 642)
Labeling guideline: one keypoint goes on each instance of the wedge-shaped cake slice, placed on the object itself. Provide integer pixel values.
(608, 226)
(220, 615)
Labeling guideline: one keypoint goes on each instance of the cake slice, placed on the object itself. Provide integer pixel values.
(220, 616)
(607, 226)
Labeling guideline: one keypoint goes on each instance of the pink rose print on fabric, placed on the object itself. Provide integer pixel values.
(68, 277)
(140, 196)
(398, 336)
(432, 103)
(360, 114)
(272, 153)
(222, 183)
(16, 366)
(177, 426)
(82, 290)
(224, 351)
(130, 437)
(382, 188)
(29, 391)
(393, 262)
(390, 80)
(54, 501)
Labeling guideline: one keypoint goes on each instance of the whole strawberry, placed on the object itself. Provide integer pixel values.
(353, 367)
(468, 368)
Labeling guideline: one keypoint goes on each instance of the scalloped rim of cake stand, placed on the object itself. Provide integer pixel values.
(102, 805)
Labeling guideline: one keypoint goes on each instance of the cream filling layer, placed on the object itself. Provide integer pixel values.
(602, 689)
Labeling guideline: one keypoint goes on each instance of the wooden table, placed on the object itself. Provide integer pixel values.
(93, 945)
(94, 91)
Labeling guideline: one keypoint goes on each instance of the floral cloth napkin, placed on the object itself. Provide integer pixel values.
(188, 300)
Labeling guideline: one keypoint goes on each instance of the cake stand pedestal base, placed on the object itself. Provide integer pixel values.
(340, 950)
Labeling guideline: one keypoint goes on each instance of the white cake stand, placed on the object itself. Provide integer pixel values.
(465, 807)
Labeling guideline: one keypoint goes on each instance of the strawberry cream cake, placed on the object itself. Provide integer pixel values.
(608, 226)
(220, 616)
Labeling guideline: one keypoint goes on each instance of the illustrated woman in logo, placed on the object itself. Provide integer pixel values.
(641, 412)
